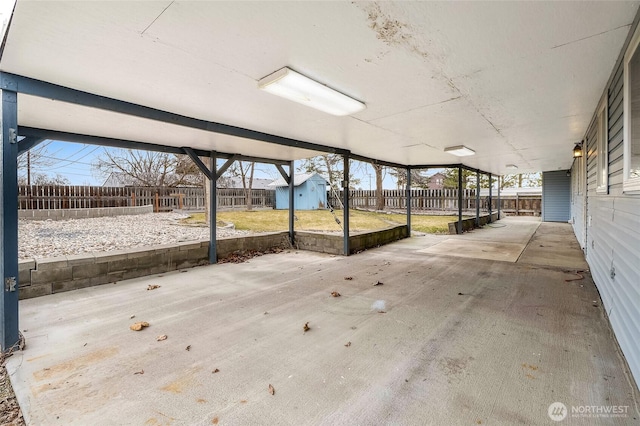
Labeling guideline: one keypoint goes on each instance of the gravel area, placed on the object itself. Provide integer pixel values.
(51, 238)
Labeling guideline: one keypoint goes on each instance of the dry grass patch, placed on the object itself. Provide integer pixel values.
(323, 220)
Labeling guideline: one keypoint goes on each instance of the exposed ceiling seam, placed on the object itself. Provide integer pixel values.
(591, 36)
(415, 108)
(156, 18)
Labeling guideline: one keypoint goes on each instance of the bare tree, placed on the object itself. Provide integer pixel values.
(330, 167)
(31, 161)
(148, 168)
(244, 170)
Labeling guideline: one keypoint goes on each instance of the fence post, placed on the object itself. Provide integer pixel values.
(157, 202)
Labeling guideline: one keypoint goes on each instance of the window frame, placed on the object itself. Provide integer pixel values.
(629, 185)
(602, 146)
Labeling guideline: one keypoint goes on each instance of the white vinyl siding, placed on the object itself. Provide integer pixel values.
(613, 225)
(632, 116)
(602, 147)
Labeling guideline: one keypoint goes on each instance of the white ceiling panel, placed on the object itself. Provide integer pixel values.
(516, 81)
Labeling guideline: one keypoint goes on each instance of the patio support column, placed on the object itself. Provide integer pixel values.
(490, 196)
(459, 200)
(291, 204)
(9, 333)
(213, 209)
(477, 198)
(408, 201)
(345, 204)
(499, 182)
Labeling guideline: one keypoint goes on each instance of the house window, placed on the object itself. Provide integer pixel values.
(632, 116)
(603, 148)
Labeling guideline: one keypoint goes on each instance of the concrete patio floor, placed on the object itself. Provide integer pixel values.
(480, 328)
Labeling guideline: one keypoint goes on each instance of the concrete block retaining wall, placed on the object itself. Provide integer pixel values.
(333, 243)
(82, 213)
(42, 276)
(469, 224)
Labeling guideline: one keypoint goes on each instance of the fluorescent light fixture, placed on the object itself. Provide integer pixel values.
(296, 87)
(511, 166)
(460, 150)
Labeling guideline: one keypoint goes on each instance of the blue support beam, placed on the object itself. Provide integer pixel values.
(9, 332)
(478, 199)
(28, 143)
(213, 210)
(490, 196)
(291, 183)
(409, 201)
(43, 89)
(460, 200)
(345, 205)
(499, 179)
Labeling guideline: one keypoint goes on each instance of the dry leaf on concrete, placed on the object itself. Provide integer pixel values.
(188, 348)
(379, 283)
(139, 372)
(272, 390)
(348, 278)
(335, 294)
(216, 371)
(153, 286)
(139, 325)
(161, 337)
(306, 327)
(347, 344)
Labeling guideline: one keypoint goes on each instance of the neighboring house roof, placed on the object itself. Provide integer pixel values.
(298, 179)
(118, 180)
(236, 183)
(507, 192)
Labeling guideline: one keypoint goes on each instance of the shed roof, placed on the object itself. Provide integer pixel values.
(298, 180)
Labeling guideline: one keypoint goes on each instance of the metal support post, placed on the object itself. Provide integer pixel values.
(460, 200)
(213, 207)
(478, 199)
(292, 203)
(499, 179)
(490, 196)
(9, 332)
(345, 204)
(408, 202)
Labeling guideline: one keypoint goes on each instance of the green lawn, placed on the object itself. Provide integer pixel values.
(323, 220)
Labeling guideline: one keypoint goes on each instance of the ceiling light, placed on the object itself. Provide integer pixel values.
(298, 88)
(460, 150)
(511, 166)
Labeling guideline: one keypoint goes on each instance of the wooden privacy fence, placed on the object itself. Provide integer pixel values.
(55, 197)
(444, 200)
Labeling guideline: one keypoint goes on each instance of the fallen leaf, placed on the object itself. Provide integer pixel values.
(382, 312)
(347, 344)
(188, 348)
(348, 278)
(132, 317)
(84, 344)
(152, 286)
(161, 337)
(272, 390)
(139, 325)
(266, 313)
(460, 294)
(335, 294)
(306, 327)
(216, 371)
(243, 401)
(214, 421)
(378, 283)
(139, 372)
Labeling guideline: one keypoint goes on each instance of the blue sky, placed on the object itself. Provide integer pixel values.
(74, 161)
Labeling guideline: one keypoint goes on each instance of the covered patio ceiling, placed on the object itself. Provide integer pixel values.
(516, 82)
